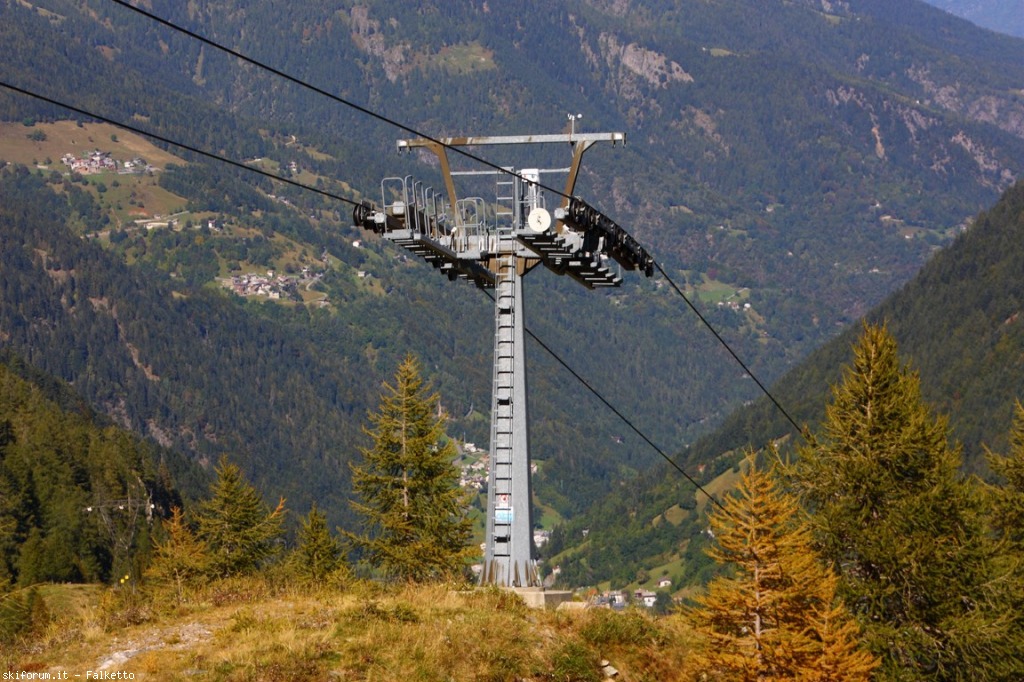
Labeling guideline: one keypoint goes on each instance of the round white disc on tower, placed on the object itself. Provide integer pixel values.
(539, 220)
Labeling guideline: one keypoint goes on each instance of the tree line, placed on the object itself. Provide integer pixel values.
(414, 524)
(67, 513)
(867, 556)
(870, 556)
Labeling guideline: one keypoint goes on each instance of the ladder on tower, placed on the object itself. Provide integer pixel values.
(502, 420)
(505, 197)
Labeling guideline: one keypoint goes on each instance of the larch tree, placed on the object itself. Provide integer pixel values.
(415, 516)
(239, 528)
(1007, 499)
(180, 558)
(891, 512)
(776, 617)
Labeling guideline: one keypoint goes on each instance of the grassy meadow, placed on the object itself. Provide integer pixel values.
(257, 628)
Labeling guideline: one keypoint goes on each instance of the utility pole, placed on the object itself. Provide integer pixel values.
(495, 244)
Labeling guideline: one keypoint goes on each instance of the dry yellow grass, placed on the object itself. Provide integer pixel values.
(254, 629)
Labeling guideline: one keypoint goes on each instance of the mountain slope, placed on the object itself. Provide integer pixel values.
(959, 323)
(781, 155)
(78, 496)
(753, 119)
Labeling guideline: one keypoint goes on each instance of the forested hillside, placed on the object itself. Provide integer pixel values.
(809, 552)
(958, 324)
(80, 500)
(783, 162)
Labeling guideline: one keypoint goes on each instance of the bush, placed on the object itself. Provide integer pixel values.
(123, 606)
(573, 662)
(608, 628)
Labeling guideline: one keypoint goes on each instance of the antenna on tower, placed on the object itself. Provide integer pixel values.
(572, 124)
(494, 244)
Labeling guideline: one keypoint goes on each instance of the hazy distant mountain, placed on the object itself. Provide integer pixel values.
(1005, 16)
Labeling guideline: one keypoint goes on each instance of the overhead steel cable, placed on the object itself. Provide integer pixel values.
(597, 394)
(166, 140)
(381, 117)
(320, 91)
(735, 357)
(413, 131)
(237, 164)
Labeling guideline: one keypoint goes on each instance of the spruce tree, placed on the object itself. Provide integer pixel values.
(903, 528)
(416, 527)
(238, 526)
(318, 555)
(776, 617)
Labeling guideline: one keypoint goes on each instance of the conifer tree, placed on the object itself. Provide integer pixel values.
(1006, 501)
(238, 526)
(903, 529)
(318, 555)
(776, 617)
(1008, 498)
(181, 558)
(416, 528)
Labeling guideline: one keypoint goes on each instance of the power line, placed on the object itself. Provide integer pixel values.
(194, 150)
(320, 91)
(721, 340)
(408, 129)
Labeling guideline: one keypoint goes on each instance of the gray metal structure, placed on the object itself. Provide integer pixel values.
(494, 245)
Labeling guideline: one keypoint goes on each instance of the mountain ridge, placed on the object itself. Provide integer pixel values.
(1003, 16)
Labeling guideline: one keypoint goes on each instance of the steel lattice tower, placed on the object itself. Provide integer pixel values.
(495, 245)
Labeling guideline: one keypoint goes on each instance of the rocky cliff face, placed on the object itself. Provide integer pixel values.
(1004, 109)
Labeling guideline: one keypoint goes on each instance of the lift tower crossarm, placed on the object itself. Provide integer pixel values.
(440, 150)
(581, 142)
(470, 141)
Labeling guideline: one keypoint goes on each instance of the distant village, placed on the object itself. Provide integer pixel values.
(271, 285)
(619, 599)
(473, 462)
(101, 162)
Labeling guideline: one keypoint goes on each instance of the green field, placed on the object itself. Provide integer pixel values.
(463, 58)
(126, 198)
(68, 137)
